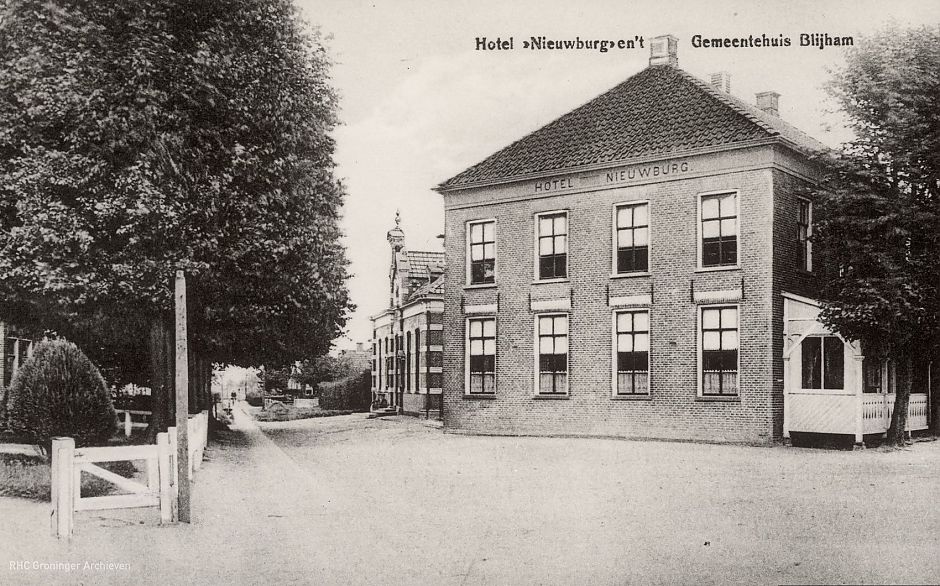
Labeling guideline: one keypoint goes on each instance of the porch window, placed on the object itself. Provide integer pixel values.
(482, 252)
(553, 245)
(719, 351)
(823, 363)
(872, 373)
(482, 355)
(553, 354)
(633, 345)
(719, 230)
(632, 238)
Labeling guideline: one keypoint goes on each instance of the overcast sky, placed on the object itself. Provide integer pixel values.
(420, 104)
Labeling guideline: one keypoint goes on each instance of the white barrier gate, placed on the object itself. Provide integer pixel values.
(162, 482)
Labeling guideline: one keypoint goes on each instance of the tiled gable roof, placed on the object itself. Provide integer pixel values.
(659, 111)
(420, 260)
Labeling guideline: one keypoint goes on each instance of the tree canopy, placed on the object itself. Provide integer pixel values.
(879, 202)
(142, 136)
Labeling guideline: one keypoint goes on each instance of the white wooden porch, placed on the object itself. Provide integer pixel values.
(846, 410)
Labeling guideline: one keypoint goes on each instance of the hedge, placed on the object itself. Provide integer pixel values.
(353, 392)
(59, 392)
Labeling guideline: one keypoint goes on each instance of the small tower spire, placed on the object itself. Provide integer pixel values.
(396, 237)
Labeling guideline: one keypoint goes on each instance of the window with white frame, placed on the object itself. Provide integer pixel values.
(482, 244)
(481, 351)
(823, 363)
(719, 327)
(553, 245)
(719, 230)
(633, 346)
(632, 240)
(803, 232)
(553, 354)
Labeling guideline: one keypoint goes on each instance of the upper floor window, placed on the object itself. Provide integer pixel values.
(482, 252)
(633, 350)
(552, 354)
(481, 352)
(803, 232)
(719, 230)
(632, 225)
(553, 245)
(823, 359)
(719, 351)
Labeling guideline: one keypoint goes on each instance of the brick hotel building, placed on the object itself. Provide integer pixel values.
(643, 267)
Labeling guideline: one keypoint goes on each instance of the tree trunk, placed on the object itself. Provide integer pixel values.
(932, 389)
(901, 400)
(161, 377)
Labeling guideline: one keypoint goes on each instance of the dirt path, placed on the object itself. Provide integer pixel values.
(484, 510)
(344, 500)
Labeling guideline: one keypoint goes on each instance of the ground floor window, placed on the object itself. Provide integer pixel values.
(553, 354)
(633, 344)
(719, 351)
(823, 360)
(482, 355)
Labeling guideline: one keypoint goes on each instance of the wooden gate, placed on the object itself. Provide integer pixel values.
(161, 489)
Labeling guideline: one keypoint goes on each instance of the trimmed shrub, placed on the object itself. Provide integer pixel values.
(353, 392)
(59, 392)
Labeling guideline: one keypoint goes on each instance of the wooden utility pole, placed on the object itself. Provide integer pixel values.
(182, 399)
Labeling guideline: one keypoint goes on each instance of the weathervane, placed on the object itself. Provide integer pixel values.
(398, 218)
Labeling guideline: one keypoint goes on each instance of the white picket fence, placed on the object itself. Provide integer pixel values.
(162, 477)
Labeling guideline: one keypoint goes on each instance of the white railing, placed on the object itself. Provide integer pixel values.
(129, 423)
(823, 412)
(161, 489)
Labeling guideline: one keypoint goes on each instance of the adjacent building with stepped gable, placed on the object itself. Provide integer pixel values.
(407, 337)
(643, 267)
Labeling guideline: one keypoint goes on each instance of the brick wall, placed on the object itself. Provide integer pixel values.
(788, 275)
(673, 409)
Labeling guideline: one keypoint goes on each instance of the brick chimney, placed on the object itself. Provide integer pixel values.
(768, 102)
(663, 51)
(721, 80)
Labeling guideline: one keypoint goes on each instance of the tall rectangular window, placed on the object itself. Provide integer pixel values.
(719, 230)
(482, 252)
(553, 245)
(553, 354)
(632, 238)
(804, 230)
(719, 351)
(481, 349)
(418, 359)
(633, 346)
(823, 361)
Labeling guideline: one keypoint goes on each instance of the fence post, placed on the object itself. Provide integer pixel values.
(163, 464)
(127, 424)
(63, 455)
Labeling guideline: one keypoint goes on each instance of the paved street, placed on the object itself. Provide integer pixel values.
(345, 500)
(482, 510)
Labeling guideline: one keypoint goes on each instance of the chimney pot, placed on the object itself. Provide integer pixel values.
(663, 50)
(769, 102)
(721, 80)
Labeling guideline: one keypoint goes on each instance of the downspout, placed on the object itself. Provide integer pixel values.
(427, 374)
(400, 362)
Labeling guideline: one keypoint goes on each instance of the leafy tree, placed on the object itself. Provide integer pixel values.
(879, 204)
(142, 136)
(324, 368)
